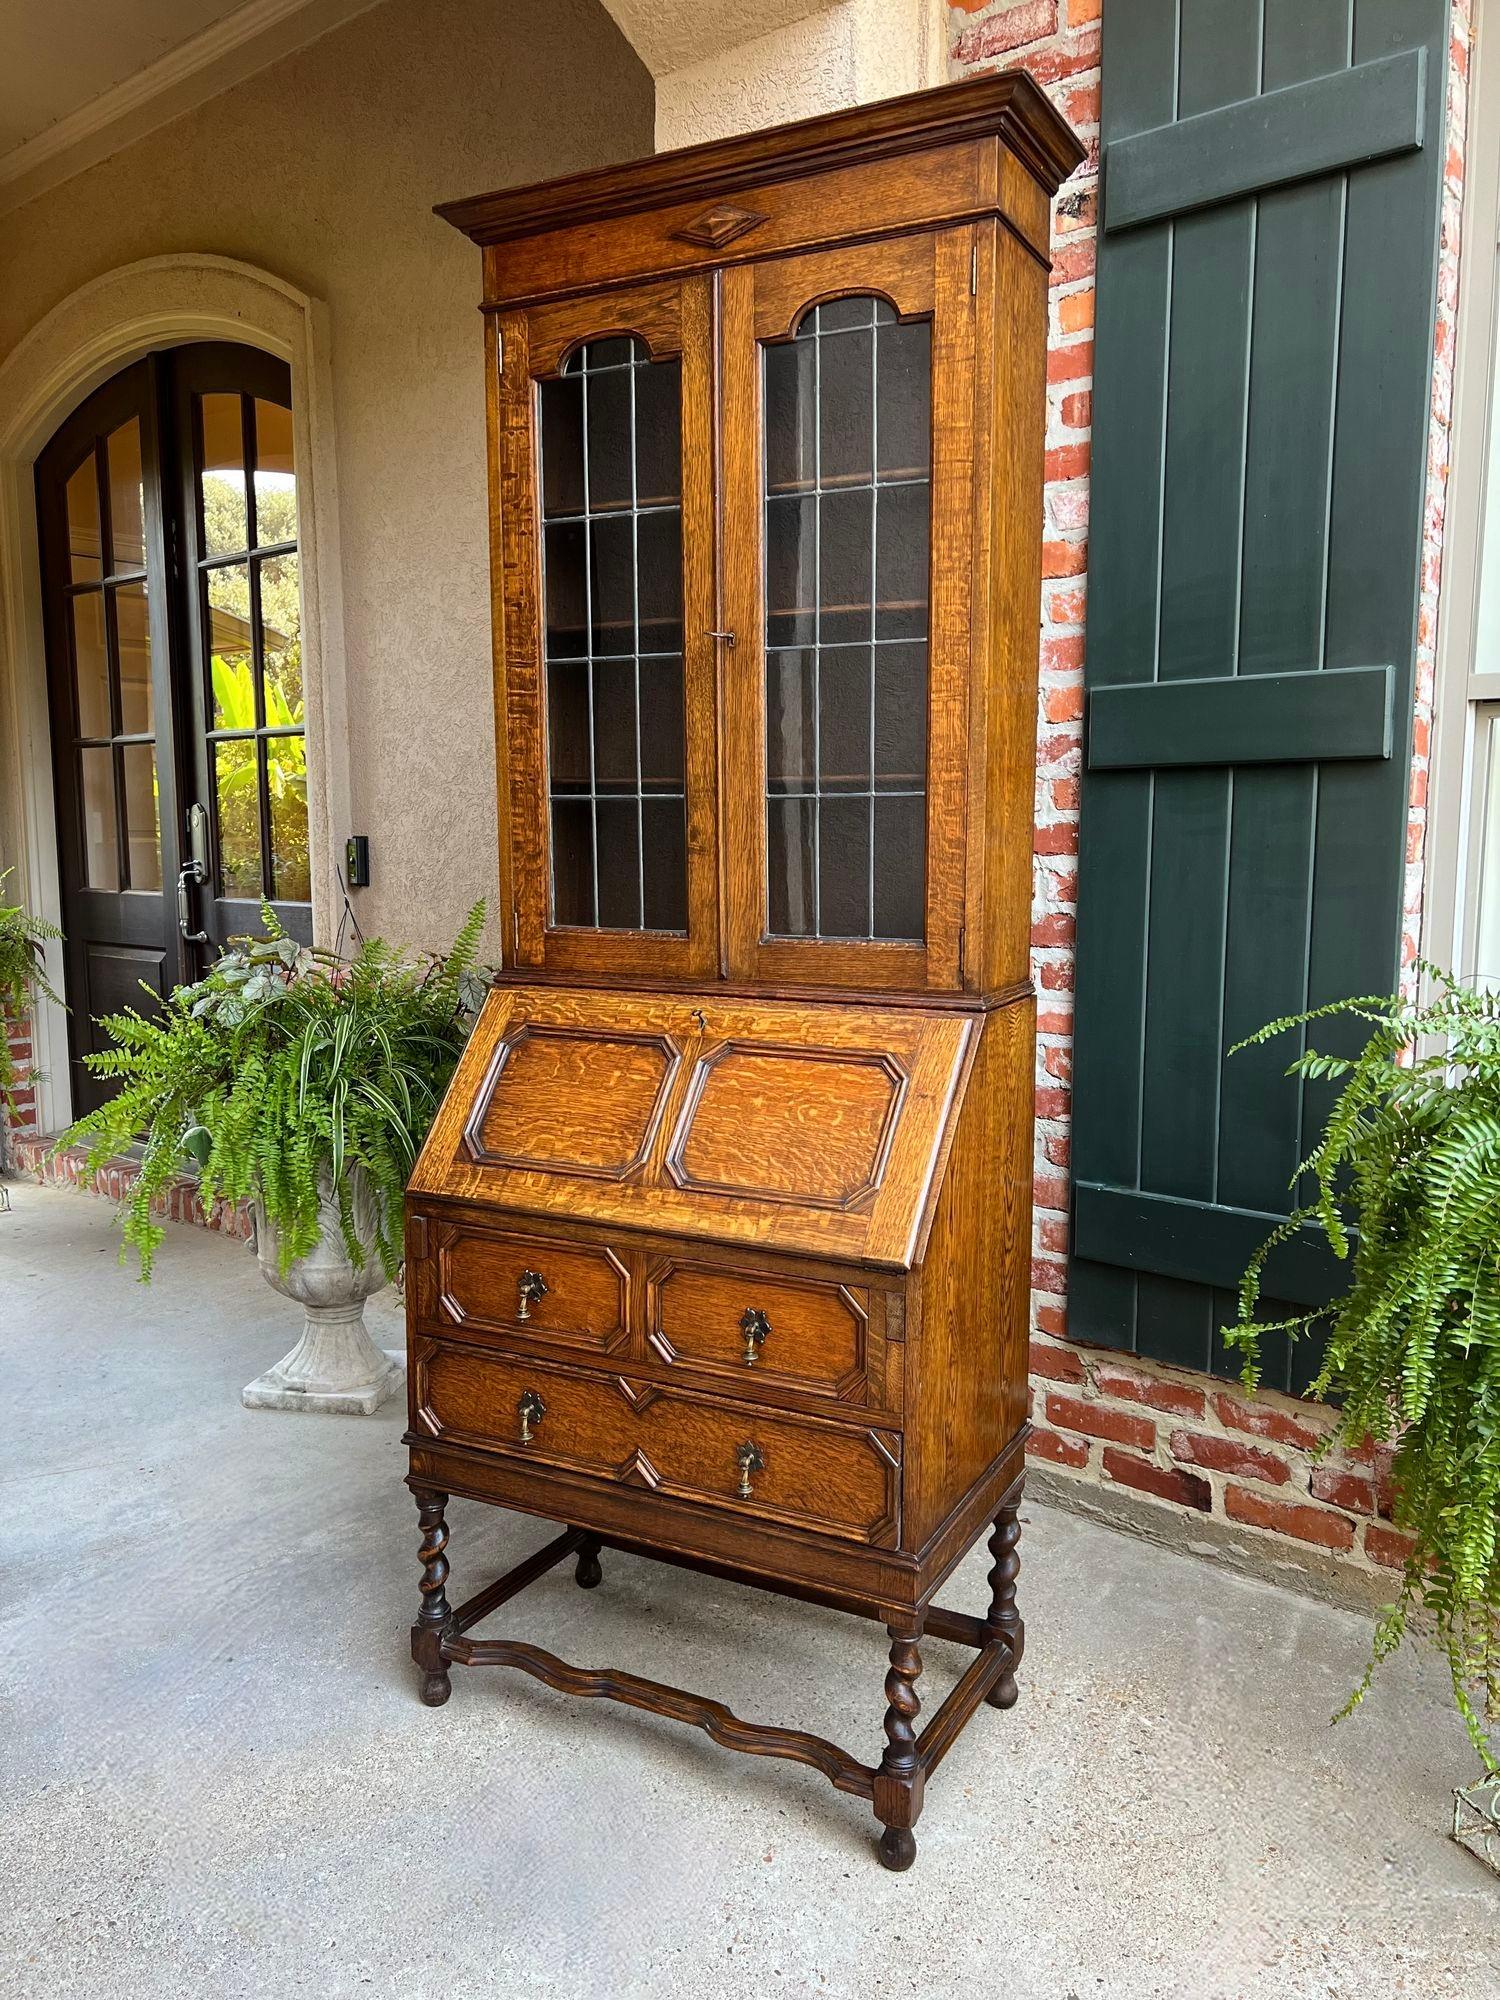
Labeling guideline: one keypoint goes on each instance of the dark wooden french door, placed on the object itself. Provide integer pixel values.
(167, 516)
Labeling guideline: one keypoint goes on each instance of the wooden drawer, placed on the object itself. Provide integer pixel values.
(486, 1285)
(802, 1471)
(748, 1327)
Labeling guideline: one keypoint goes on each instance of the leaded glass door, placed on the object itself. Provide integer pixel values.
(848, 493)
(606, 496)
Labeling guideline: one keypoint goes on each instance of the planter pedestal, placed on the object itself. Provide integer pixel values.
(335, 1368)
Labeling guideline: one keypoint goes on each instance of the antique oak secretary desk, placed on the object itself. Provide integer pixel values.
(718, 1249)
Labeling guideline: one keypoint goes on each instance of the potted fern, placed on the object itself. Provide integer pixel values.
(302, 1083)
(23, 941)
(1406, 1185)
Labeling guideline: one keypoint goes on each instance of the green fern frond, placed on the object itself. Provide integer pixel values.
(1406, 1179)
(292, 1072)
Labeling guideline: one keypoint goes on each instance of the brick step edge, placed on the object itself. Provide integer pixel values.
(180, 1201)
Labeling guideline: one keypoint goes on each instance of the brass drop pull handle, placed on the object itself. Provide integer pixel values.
(757, 1331)
(530, 1287)
(531, 1409)
(749, 1460)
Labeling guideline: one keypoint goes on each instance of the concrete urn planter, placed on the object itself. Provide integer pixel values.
(335, 1366)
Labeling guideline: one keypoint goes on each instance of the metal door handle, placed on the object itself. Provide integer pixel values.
(192, 874)
(531, 1287)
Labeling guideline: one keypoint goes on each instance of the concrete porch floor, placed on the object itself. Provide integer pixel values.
(217, 1778)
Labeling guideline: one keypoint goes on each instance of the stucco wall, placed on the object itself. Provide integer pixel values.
(323, 169)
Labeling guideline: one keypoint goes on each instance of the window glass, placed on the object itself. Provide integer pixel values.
(101, 848)
(127, 500)
(611, 450)
(251, 609)
(90, 663)
(275, 476)
(221, 475)
(847, 448)
(84, 547)
(237, 799)
(1486, 966)
(133, 633)
(142, 815)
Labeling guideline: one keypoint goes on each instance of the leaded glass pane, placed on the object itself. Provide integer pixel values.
(611, 451)
(847, 453)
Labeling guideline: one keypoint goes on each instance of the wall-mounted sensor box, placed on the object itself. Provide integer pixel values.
(357, 861)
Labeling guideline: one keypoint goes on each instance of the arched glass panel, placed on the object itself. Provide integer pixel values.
(611, 458)
(847, 455)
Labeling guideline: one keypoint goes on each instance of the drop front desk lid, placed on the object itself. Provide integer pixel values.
(818, 1129)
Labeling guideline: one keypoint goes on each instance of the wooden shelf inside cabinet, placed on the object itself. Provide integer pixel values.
(718, 1249)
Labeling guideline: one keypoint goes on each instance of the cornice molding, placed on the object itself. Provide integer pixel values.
(253, 36)
(1010, 105)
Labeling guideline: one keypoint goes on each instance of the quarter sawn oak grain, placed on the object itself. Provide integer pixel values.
(718, 1248)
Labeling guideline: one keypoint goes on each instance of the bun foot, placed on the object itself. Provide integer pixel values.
(436, 1689)
(588, 1575)
(1004, 1693)
(898, 1848)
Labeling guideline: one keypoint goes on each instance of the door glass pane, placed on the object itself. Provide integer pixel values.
(847, 407)
(251, 642)
(237, 796)
(127, 504)
(275, 475)
(1486, 948)
(611, 431)
(85, 553)
(221, 476)
(90, 663)
(281, 641)
(142, 815)
(133, 631)
(101, 852)
(286, 772)
(231, 647)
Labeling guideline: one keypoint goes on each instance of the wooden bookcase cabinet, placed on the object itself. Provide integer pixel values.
(718, 1250)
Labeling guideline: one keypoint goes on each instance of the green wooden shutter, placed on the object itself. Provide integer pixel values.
(1272, 175)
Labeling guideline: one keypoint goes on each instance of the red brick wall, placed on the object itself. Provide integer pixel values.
(1193, 1445)
(19, 1121)
(181, 1202)
(26, 1150)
